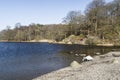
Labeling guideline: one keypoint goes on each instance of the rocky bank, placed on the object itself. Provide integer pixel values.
(103, 67)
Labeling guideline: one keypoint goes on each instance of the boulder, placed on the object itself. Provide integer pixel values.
(116, 54)
(69, 42)
(75, 64)
(87, 58)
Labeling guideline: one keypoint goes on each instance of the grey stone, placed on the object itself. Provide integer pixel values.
(97, 53)
(75, 64)
(116, 54)
(83, 55)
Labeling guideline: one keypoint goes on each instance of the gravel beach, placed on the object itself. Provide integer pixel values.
(103, 67)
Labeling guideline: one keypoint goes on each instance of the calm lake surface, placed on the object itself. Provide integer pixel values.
(25, 61)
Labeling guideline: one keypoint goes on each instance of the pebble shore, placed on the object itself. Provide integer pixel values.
(103, 67)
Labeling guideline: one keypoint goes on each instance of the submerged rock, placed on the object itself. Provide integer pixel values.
(87, 58)
(76, 54)
(75, 64)
(97, 53)
(83, 55)
(71, 52)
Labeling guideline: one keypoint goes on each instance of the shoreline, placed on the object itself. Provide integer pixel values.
(103, 67)
(54, 42)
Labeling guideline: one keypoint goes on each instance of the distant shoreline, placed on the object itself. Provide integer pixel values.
(54, 42)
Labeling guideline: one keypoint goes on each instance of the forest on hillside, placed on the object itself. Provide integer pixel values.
(100, 19)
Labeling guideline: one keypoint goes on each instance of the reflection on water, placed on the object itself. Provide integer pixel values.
(25, 61)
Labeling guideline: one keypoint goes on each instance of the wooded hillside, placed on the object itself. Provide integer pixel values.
(100, 19)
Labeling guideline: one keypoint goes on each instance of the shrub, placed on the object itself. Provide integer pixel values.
(91, 41)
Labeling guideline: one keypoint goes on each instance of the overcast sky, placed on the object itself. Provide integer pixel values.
(37, 11)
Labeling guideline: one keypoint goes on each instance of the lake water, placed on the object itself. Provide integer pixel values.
(25, 61)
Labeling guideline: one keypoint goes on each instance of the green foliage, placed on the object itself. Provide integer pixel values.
(82, 36)
(90, 41)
